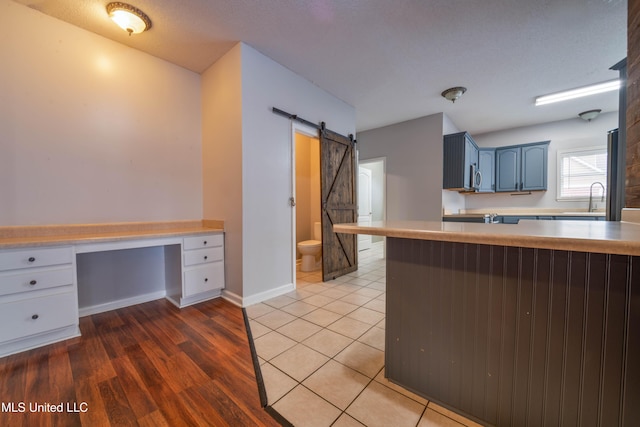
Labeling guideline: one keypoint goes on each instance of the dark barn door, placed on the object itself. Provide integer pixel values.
(338, 188)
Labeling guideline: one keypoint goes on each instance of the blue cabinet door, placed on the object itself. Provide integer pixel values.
(534, 167)
(470, 163)
(460, 160)
(508, 169)
(522, 168)
(486, 167)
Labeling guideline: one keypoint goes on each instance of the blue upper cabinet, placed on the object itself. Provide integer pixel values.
(460, 163)
(522, 167)
(486, 167)
(534, 167)
(508, 169)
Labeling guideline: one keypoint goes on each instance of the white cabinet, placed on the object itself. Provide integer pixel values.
(38, 298)
(39, 285)
(200, 275)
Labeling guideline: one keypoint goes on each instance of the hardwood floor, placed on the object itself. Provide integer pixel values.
(149, 365)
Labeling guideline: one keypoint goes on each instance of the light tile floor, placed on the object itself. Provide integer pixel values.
(321, 353)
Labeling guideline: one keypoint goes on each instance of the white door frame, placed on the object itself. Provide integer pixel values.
(382, 160)
(364, 212)
(309, 131)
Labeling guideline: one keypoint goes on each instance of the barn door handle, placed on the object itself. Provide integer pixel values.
(324, 205)
(292, 201)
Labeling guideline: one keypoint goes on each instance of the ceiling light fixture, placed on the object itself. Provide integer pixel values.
(589, 115)
(454, 93)
(578, 93)
(129, 18)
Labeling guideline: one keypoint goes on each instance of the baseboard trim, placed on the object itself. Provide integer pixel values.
(126, 302)
(271, 293)
(233, 298)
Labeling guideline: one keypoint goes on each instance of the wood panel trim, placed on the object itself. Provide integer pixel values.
(515, 336)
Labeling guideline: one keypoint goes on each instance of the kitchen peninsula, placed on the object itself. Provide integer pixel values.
(536, 323)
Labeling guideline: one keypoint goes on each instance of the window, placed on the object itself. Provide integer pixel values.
(578, 170)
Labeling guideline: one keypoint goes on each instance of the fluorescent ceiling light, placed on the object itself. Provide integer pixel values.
(578, 93)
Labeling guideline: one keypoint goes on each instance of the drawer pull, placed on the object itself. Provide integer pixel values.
(205, 242)
(206, 279)
(35, 317)
(31, 259)
(33, 282)
(205, 257)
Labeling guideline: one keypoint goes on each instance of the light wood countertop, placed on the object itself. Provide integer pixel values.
(12, 237)
(622, 238)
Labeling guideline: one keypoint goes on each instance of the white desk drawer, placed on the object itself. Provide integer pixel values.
(200, 242)
(32, 280)
(11, 260)
(205, 278)
(202, 256)
(30, 316)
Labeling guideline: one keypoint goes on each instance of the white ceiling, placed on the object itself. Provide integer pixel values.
(391, 59)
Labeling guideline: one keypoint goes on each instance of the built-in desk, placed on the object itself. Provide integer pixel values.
(44, 268)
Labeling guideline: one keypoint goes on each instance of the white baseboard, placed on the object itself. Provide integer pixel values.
(114, 305)
(39, 340)
(233, 298)
(271, 293)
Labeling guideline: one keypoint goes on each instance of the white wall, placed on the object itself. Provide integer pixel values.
(91, 130)
(222, 157)
(563, 134)
(266, 164)
(413, 152)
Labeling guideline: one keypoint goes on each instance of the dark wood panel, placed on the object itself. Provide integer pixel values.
(508, 336)
(494, 333)
(479, 324)
(555, 337)
(515, 336)
(631, 396)
(539, 330)
(148, 365)
(610, 391)
(338, 193)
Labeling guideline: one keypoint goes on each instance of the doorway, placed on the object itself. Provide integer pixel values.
(306, 194)
(364, 206)
(337, 202)
(376, 172)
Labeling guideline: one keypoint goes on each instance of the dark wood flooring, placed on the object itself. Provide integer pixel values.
(149, 365)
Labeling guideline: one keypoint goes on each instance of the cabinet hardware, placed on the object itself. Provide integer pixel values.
(292, 201)
(35, 317)
(31, 259)
(205, 242)
(205, 257)
(33, 282)
(206, 279)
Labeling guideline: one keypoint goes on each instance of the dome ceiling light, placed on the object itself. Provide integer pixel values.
(589, 115)
(129, 18)
(454, 93)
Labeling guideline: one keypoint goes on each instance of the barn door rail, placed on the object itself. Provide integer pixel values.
(320, 127)
(296, 118)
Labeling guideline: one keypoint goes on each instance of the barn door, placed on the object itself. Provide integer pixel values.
(338, 192)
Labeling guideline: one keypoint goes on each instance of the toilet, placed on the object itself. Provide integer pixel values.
(311, 249)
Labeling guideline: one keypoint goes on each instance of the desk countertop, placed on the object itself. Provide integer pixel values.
(72, 234)
(622, 238)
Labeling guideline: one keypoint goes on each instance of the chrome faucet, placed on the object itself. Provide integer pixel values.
(591, 209)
